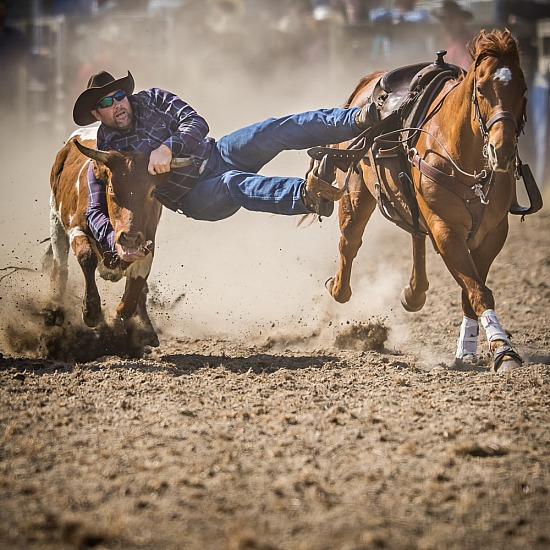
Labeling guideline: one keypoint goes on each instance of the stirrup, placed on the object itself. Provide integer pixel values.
(317, 185)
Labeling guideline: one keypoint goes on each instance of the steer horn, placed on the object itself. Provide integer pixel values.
(179, 162)
(94, 154)
(103, 156)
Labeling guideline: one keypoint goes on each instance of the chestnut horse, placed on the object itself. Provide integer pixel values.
(462, 169)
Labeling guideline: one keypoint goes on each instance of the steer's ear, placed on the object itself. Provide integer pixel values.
(99, 156)
(102, 173)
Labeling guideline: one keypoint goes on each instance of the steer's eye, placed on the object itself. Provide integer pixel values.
(110, 190)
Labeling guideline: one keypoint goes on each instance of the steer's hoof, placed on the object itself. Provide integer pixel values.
(329, 283)
(54, 317)
(92, 319)
(150, 339)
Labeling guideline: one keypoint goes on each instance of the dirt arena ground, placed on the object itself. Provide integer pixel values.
(270, 417)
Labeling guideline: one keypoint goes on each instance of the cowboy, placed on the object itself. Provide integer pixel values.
(224, 174)
(454, 20)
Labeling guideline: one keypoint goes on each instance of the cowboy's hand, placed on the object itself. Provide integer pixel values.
(159, 160)
(130, 255)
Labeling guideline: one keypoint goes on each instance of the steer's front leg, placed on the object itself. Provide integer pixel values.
(139, 330)
(136, 276)
(87, 259)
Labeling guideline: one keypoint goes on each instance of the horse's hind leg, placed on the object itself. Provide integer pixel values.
(356, 207)
(413, 296)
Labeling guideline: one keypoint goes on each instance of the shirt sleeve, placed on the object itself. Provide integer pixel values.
(96, 213)
(187, 127)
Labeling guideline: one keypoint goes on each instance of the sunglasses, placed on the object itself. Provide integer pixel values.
(109, 100)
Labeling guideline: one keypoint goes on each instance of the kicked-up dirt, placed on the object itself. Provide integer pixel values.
(351, 433)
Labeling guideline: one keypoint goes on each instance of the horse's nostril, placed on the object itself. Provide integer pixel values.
(500, 159)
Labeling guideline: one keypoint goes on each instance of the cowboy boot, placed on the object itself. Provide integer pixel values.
(368, 116)
(317, 193)
(315, 203)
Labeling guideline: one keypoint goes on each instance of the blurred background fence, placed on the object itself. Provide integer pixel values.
(49, 49)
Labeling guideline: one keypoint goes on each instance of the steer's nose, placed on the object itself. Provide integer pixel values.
(130, 239)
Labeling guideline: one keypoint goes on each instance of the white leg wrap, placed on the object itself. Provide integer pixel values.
(492, 327)
(467, 341)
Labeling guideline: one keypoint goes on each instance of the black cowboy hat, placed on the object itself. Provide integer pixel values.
(99, 85)
(450, 8)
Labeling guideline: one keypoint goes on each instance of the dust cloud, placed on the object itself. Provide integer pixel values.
(255, 276)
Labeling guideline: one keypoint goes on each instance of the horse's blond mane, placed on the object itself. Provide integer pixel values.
(496, 44)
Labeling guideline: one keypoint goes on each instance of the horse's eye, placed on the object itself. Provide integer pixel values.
(110, 189)
(479, 90)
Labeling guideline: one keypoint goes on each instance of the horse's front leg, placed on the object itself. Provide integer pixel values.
(505, 358)
(477, 299)
(413, 296)
(355, 209)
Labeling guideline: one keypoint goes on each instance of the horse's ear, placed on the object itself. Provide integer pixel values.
(473, 45)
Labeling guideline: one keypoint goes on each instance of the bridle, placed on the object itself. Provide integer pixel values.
(485, 127)
(475, 193)
(482, 181)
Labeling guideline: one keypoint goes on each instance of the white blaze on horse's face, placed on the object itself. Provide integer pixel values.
(504, 74)
(501, 94)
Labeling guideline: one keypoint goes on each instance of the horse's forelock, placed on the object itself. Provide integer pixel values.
(495, 44)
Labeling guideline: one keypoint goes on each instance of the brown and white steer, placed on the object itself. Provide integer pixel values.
(134, 215)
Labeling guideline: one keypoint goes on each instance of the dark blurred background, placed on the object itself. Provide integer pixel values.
(49, 49)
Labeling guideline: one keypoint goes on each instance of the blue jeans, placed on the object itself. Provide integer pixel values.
(230, 180)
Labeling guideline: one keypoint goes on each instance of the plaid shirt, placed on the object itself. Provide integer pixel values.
(160, 117)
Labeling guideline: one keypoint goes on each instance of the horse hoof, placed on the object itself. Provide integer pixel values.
(341, 294)
(506, 359)
(467, 360)
(508, 366)
(407, 306)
